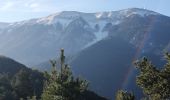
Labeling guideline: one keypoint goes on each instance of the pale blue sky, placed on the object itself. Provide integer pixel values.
(16, 10)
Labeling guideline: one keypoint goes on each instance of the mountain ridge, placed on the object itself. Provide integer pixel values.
(135, 36)
(93, 13)
(10, 66)
(100, 41)
(36, 39)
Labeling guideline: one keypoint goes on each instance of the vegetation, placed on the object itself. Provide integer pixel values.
(27, 84)
(123, 95)
(61, 85)
(23, 84)
(154, 82)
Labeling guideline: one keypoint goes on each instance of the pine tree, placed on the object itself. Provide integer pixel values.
(165, 74)
(6, 88)
(22, 84)
(123, 95)
(61, 85)
(32, 98)
(154, 82)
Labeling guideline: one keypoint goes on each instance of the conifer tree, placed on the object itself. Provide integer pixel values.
(61, 85)
(22, 84)
(5, 88)
(154, 82)
(123, 95)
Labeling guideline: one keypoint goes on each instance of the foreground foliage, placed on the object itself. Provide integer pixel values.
(61, 85)
(123, 95)
(23, 84)
(154, 82)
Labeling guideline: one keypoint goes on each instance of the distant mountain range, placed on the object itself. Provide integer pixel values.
(101, 46)
(37, 40)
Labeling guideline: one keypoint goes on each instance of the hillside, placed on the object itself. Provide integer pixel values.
(8, 65)
(17, 81)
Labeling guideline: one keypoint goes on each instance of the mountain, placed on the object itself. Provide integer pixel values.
(146, 30)
(8, 65)
(37, 40)
(102, 45)
(108, 64)
(104, 65)
(121, 37)
(3, 25)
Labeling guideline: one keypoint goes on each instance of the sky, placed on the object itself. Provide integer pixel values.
(18, 10)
